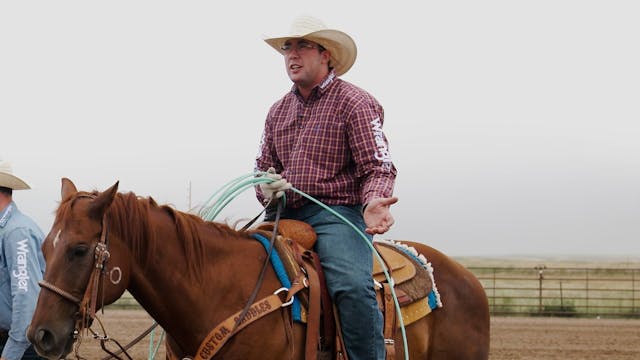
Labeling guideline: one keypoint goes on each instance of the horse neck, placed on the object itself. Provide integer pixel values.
(160, 259)
(181, 301)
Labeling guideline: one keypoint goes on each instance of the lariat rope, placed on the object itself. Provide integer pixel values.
(227, 193)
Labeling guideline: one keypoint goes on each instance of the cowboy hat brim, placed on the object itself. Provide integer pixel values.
(12, 182)
(341, 46)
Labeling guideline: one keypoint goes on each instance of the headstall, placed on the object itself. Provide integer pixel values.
(87, 305)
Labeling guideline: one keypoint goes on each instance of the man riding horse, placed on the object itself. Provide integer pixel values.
(325, 137)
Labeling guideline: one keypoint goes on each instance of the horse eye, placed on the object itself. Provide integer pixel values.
(78, 251)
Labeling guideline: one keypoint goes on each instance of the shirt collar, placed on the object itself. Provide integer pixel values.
(319, 89)
(5, 215)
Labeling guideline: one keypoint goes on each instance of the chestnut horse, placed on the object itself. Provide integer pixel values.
(191, 275)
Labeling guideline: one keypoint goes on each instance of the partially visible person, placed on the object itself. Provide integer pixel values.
(325, 138)
(21, 268)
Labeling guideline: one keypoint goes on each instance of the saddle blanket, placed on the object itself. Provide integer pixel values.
(410, 312)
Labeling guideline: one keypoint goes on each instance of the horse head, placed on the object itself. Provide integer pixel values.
(86, 268)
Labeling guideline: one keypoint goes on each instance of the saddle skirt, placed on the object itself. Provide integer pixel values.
(414, 284)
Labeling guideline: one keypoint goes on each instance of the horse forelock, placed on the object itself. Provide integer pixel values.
(65, 205)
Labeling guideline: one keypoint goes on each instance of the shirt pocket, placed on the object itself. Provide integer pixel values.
(326, 143)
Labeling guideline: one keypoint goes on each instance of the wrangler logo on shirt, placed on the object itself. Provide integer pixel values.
(21, 273)
(383, 151)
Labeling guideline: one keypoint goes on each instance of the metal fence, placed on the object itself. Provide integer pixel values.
(542, 291)
(547, 291)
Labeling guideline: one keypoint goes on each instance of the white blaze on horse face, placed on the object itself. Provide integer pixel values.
(56, 239)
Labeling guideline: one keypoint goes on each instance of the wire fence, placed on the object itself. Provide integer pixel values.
(555, 291)
(545, 291)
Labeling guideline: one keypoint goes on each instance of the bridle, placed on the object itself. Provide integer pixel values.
(89, 301)
(87, 305)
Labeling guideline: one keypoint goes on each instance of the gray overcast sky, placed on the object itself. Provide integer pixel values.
(514, 125)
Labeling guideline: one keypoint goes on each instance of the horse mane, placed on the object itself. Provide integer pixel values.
(129, 218)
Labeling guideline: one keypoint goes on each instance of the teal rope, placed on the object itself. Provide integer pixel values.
(232, 189)
(378, 258)
(153, 349)
(227, 193)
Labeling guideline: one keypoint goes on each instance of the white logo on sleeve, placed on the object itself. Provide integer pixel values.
(383, 151)
(21, 273)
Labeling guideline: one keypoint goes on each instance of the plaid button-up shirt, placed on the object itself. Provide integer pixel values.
(330, 146)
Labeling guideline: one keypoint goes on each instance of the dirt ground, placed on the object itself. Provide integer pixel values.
(512, 338)
(122, 326)
(560, 338)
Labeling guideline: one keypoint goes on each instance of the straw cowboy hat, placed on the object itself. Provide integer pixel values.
(341, 46)
(8, 180)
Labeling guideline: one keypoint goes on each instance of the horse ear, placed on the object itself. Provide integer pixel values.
(101, 203)
(68, 189)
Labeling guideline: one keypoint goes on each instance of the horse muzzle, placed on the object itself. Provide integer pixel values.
(50, 344)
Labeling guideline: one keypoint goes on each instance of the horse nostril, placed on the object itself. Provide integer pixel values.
(44, 340)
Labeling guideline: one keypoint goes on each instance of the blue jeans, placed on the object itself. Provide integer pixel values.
(347, 262)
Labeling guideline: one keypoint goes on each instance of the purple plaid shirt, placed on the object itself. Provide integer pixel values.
(330, 146)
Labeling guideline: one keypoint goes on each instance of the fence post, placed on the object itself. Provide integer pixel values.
(561, 300)
(540, 269)
(633, 291)
(494, 290)
(587, 289)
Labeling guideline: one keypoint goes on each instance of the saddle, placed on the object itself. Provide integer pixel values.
(413, 287)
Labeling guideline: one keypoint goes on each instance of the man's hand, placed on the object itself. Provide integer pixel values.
(377, 215)
(276, 188)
